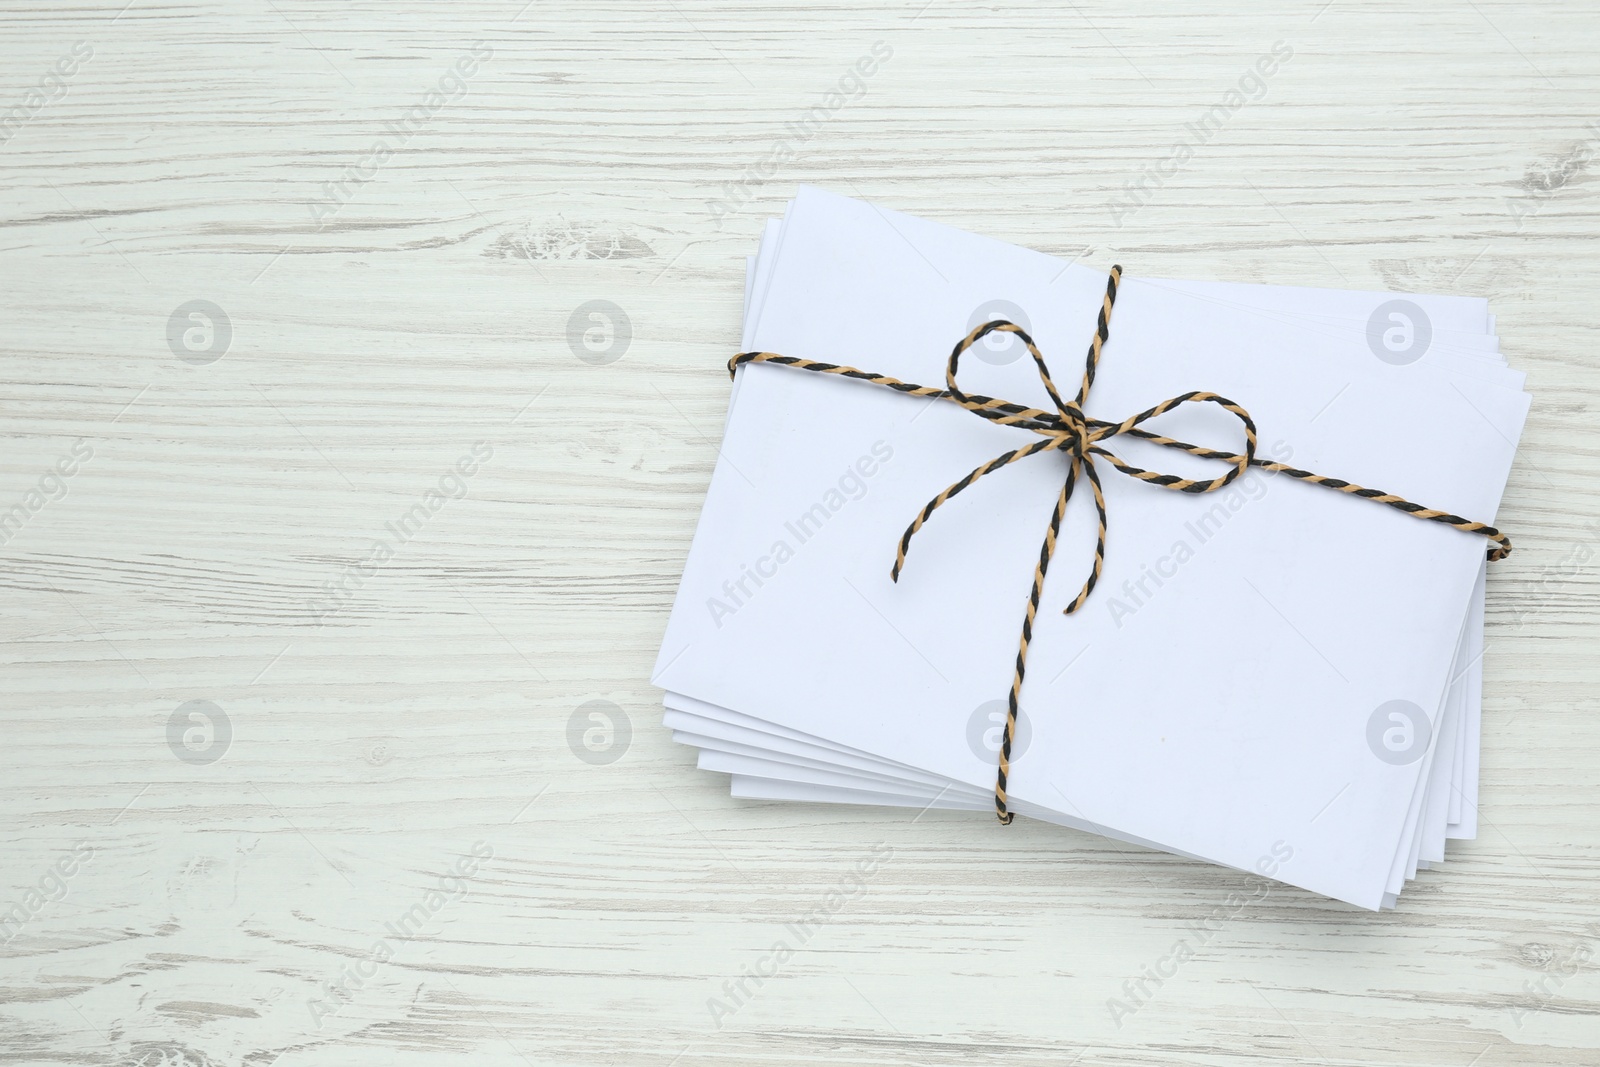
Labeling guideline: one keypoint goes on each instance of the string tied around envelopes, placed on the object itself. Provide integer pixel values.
(1067, 429)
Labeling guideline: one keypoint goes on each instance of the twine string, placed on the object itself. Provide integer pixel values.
(1083, 439)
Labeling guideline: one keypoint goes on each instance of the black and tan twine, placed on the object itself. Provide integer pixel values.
(1068, 430)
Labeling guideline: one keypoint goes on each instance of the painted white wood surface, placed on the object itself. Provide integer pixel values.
(377, 336)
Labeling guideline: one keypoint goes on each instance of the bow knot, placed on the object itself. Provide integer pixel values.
(1069, 430)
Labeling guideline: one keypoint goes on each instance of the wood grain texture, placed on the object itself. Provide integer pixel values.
(378, 335)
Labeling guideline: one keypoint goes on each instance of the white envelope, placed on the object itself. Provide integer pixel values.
(1213, 717)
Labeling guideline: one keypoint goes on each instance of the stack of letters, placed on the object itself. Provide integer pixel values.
(1276, 676)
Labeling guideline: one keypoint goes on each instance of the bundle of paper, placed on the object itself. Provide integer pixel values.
(1277, 676)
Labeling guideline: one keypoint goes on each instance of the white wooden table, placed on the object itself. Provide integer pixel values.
(378, 844)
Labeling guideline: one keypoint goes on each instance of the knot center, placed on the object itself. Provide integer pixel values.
(1073, 433)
